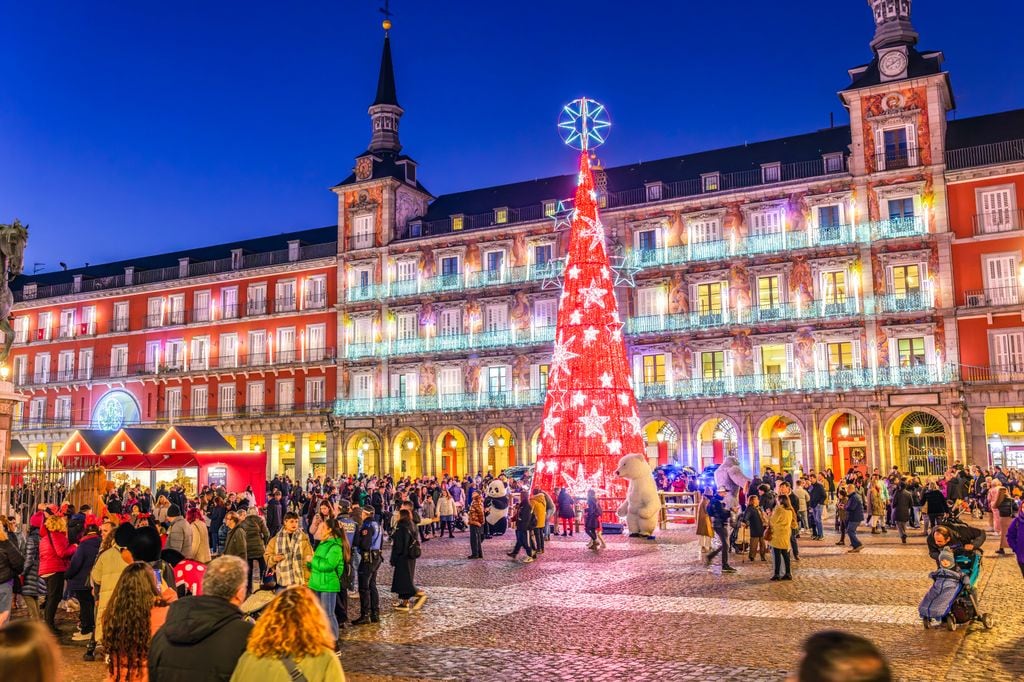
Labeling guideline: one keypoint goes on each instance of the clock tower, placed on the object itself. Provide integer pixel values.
(894, 37)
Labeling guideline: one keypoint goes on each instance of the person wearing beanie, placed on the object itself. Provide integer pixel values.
(179, 533)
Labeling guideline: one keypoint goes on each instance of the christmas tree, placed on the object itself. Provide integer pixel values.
(590, 413)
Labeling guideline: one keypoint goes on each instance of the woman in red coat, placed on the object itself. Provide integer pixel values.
(54, 556)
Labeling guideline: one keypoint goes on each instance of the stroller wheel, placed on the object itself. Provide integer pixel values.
(988, 621)
(950, 624)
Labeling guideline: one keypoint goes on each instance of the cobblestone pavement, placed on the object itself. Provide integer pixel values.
(646, 610)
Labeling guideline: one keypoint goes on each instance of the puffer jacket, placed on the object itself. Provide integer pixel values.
(34, 585)
(476, 512)
(445, 507)
(82, 562)
(55, 551)
(12, 561)
(234, 543)
(256, 535)
(327, 566)
(201, 641)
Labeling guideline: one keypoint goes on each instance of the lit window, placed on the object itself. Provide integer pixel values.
(457, 222)
(710, 182)
(500, 215)
(911, 352)
(840, 356)
(654, 369)
(712, 364)
(549, 208)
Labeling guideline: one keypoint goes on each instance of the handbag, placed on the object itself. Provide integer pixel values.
(768, 534)
(415, 551)
(293, 670)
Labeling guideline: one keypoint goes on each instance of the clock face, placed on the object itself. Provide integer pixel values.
(893, 63)
(364, 168)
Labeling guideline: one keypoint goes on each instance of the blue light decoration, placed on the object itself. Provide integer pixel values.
(115, 410)
(110, 416)
(584, 124)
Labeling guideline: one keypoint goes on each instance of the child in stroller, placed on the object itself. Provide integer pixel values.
(953, 598)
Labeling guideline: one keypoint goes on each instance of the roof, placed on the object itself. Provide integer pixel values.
(806, 147)
(17, 449)
(96, 439)
(320, 235)
(386, 165)
(918, 64)
(386, 79)
(986, 129)
(145, 439)
(204, 439)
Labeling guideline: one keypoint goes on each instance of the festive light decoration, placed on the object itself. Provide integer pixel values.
(590, 412)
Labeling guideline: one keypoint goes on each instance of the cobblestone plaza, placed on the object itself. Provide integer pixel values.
(650, 611)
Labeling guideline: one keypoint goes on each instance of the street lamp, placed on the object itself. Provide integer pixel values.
(365, 445)
(501, 441)
(719, 434)
(917, 430)
(844, 430)
(410, 444)
(452, 442)
(5, 372)
(1015, 426)
(660, 436)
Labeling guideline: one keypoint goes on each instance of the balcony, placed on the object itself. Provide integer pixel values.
(994, 374)
(995, 222)
(895, 159)
(314, 303)
(993, 296)
(1008, 151)
(286, 304)
(256, 306)
(452, 342)
(454, 282)
(907, 301)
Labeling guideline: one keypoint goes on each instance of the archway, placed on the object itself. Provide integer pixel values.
(406, 450)
(450, 453)
(362, 453)
(534, 448)
(498, 449)
(661, 438)
(780, 443)
(846, 446)
(920, 444)
(115, 410)
(716, 438)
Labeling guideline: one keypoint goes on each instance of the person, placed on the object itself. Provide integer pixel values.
(524, 528)
(289, 553)
(55, 554)
(876, 502)
(29, 653)
(107, 570)
(934, 506)
(179, 532)
(902, 502)
(854, 517)
(476, 526)
(704, 529)
(205, 635)
(755, 520)
(782, 524)
(446, 512)
(369, 540)
(256, 536)
(816, 506)
(1015, 538)
(290, 642)
(12, 563)
(78, 574)
(720, 516)
(216, 513)
(327, 566)
(136, 611)
(833, 656)
(803, 499)
(200, 535)
(592, 520)
(33, 587)
(1002, 512)
(566, 511)
(324, 513)
(404, 551)
(540, 509)
(961, 538)
(234, 543)
(841, 500)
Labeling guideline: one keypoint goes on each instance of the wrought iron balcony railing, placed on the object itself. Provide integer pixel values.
(994, 296)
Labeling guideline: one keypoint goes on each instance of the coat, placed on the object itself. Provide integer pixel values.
(323, 668)
(235, 543)
(200, 542)
(854, 509)
(876, 501)
(54, 551)
(540, 509)
(327, 566)
(934, 502)
(179, 537)
(754, 518)
(33, 585)
(445, 507)
(476, 512)
(782, 523)
(402, 541)
(902, 501)
(256, 535)
(566, 507)
(703, 520)
(201, 641)
(82, 562)
(12, 561)
(105, 573)
(1015, 536)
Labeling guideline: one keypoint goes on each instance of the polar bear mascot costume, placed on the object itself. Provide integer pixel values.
(730, 480)
(496, 503)
(642, 502)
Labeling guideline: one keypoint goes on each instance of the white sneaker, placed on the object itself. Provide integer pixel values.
(81, 637)
(527, 559)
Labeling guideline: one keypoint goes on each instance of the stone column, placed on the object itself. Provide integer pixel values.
(273, 459)
(302, 463)
(331, 453)
(977, 438)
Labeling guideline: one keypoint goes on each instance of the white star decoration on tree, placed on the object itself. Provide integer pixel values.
(575, 317)
(624, 399)
(560, 357)
(634, 422)
(573, 272)
(579, 484)
(606, 380)
(549, 425)
(589, 336)
(578, 398)
(594, 231)
(614, 447)
(593, 295)
(593, 423)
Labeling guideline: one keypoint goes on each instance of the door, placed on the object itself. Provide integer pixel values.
(201, 306)
(1001, 280)
(173, 398)
(258, 347)
(285, 395)
(285, 296)
(85, 364)
(316, 292)
(176, 309)
(316, 342)
(200, 353)
(199, 400)
(254, 397)
(286, 345)
(228, 350)
(155, 312)
(229, 303)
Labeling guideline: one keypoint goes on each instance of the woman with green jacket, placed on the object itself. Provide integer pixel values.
(327, 566)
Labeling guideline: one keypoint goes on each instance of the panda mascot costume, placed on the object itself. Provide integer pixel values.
(495, 508)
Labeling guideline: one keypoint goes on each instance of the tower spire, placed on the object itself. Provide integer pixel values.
(385, 111)
(892, 23)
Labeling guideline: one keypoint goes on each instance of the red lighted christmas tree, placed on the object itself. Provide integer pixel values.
(590, 413)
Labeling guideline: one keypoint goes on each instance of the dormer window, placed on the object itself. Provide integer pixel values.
(833, 162)
(416, 228)
(771, 172)
(654, 191)
(500, 216)
(710, 182)
(550, 207)
(457, 221)
(410, 173)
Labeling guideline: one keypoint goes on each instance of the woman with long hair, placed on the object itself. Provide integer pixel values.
(160, 510)
(592, 521)
(136, 611)
(29, 653)
(216, 513)
(55, 552)
(200, 534)
(323, 515)
(404, 546)
(327, 566)
(781, 524)
(290, 635)
(12, 562)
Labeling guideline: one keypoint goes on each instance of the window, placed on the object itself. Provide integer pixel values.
(66, 365)
(497, 380)
(200, 400)
(315, 292)
(774, 359)
(175, 354)
(119, 361)
(1008, 351)
(152, 357)
(1001, 285)
(451, 322)
(316, 393)
(284, 293)
(316, 342)
(257, 347)
(771, 172)
(21, 329)
(256, 299)
(542, 374)
(45, 322)
(833, 288)
(834, 162)
(768, 296)
(840, 356)
(457, 222)
(405, 270)
(67, 324)
(362, 386)
(362, 231)
(362, 330)
(201, 306)
(62, 410)
(285, 395)
(155, 312)
(42, 368)
(705, 231)
(766, 222)
(85, 364)
(995, 210)
(495, 265)
(37, 411)
(226, 400)
(649, 301)
(541, 254)
(647, 240)
(450, 271)
(172, 396)
(500, 216)
(901, 208)
(709, 298)
(200, 358)
(228, 356)
(911, 352)
(906, 280)
(654, 192)
(896, 149)
(449, 381)
(709, 181)
(286, 345)
(545, 313)
(176, 309)
(87, 326)
(254, 397)
(229, 303)
(496, 317)
(549, 208)
(20, 370)
(829, 216)
(712, 364)
(120, 321)
(654, 369)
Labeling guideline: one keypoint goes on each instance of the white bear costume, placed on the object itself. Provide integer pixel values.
(496, 503)
(642, 501)
(730, 479)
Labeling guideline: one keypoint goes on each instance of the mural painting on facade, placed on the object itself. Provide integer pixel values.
(739, 287)
(520, 254)
(521, 372)
(519, 315)
(905, 103)
(742, 353)
(473, 319)
(472, 374)
(803, 348)
(678, 300)
(428, 378)
(801, 281)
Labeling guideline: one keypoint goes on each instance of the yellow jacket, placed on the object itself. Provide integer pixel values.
(540, 506)
(782, 522)
(106, 572)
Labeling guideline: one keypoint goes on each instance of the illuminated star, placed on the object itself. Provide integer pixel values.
(593, 295)
(578, 398)
(625, 270)
(574, 272)
(606, 380)
(575, 317)
(560, 357)
(592, 230)
(549, 425)
(593, 423)
(614, 447)
(589, 335)
(579, 484)
(624, 398)
(634, 421)
(616, 334)
(604, 272)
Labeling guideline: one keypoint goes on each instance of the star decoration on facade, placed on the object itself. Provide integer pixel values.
(549, 425)
(589, 335)
(634, 422)
(552, 279)
(614, 447)
(625, 270)
(560, 357)
(575, 317)
(606, 380)
(593, 423)
(579, 484)
(562, 216)
(593, 295)
(578, 398)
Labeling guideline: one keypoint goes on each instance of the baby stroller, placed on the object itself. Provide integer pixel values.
(952, 598)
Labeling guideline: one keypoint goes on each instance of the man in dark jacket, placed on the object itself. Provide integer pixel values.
(960, 537)
(816, 505)
(275, 514)
(77, 576)
(720, 516)
(854, 517)
(204, 636)
(257, 535)
(902, 501)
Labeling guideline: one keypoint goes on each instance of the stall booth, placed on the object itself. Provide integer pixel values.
(18, 461)
(191, 456)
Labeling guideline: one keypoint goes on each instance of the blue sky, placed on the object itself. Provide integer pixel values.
(129, 128)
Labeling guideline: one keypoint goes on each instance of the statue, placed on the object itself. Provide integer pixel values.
(13, 239)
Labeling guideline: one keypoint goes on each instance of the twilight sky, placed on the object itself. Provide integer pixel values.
(132, 128)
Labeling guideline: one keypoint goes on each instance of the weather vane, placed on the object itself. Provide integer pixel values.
(584, 124)
(386, 11)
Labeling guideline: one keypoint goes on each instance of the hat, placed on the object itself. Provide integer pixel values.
(173, 510)
(123, 534)
(190, 574)
(145, 544)
(172, 556)
(257, 601)
(369, 510)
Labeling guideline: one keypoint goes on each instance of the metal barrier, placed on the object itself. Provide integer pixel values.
(21, 492)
